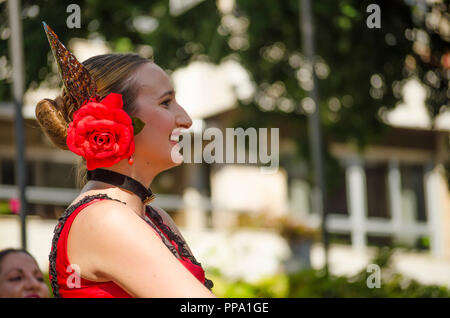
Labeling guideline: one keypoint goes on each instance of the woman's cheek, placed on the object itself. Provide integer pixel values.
(158, 132)
(11, 289)
(45, 292)
(153, 140)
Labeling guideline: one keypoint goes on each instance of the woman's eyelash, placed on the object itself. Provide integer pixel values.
(166, 102)
(18, 278)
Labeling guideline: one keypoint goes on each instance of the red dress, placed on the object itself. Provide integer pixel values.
(62, 276)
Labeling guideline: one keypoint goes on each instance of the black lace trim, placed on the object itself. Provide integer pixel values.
(182, 250)
(163, 238)
(172, 235)
(154, 215)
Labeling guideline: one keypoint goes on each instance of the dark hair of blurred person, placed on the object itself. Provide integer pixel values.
(20, 276)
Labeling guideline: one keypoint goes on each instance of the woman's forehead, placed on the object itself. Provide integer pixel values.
(153, 80)
(17, 260)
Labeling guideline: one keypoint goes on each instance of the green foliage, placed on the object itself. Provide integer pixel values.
(317, 284)
(4, 208)
(276, 286)
(352, 51)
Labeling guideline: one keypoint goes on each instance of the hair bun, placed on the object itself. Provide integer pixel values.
(49, 114)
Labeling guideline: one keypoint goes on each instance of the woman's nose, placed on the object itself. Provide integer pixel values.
(183, 119)
(32, 283)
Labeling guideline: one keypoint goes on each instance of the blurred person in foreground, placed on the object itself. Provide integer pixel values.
(119, 113)
(20, 276)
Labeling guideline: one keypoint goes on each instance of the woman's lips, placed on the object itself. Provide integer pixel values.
(33, 296)
(174, 137)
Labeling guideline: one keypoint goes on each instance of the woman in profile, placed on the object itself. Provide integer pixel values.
(118, 112)
(20, 276)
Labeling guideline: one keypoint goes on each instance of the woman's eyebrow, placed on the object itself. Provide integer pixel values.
(14, 269)
(171, 92)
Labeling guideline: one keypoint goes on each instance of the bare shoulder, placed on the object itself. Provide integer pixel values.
(102, 223)
(95, 232)
(105, 211)
(115, 244)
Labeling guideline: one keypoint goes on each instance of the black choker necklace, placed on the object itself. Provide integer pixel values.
(122, 181)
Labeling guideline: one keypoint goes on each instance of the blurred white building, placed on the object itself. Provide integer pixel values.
(398, 188)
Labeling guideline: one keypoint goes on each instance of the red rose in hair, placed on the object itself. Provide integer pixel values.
(101, 132)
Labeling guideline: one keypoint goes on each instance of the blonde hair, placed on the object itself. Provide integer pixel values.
(111, 73)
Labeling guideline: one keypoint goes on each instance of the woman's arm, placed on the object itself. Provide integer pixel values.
(118, 245)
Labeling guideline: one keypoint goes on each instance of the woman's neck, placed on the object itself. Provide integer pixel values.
(132, 200)
(136, 170)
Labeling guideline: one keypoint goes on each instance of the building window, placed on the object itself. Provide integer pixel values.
(337, 197)
(59, 175)
(7, 171)
(377, 190)
(413, 192)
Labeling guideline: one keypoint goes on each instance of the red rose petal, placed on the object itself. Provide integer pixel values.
(101, 163)
(113, 100)
(119, 115)
(71, 144)
(100, 125)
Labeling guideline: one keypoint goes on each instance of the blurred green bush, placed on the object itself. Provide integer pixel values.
(318, 284)
(4, 208)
